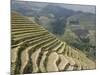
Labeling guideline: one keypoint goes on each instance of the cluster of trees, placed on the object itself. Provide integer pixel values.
(86, 44)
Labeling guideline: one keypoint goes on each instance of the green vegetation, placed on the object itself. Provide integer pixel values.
(86, 44)
(33, 50)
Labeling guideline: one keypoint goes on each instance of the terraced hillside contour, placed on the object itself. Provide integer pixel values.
(34, 50)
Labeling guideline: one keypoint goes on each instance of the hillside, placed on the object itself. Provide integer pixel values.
(34, 49)
(56, 15)
(85, 21)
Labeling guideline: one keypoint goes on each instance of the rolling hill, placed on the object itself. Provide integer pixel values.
(34, 49)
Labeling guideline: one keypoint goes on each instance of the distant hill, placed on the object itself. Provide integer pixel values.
(56, 13)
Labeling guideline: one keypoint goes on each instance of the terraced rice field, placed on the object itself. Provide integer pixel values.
(35, 50)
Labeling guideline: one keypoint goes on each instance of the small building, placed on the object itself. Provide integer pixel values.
(73, 22)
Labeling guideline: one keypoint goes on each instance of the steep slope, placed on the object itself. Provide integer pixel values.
(34, 50)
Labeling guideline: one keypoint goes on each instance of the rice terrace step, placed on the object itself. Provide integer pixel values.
(47, 44)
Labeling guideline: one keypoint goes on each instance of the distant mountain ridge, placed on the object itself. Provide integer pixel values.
(35, 7)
